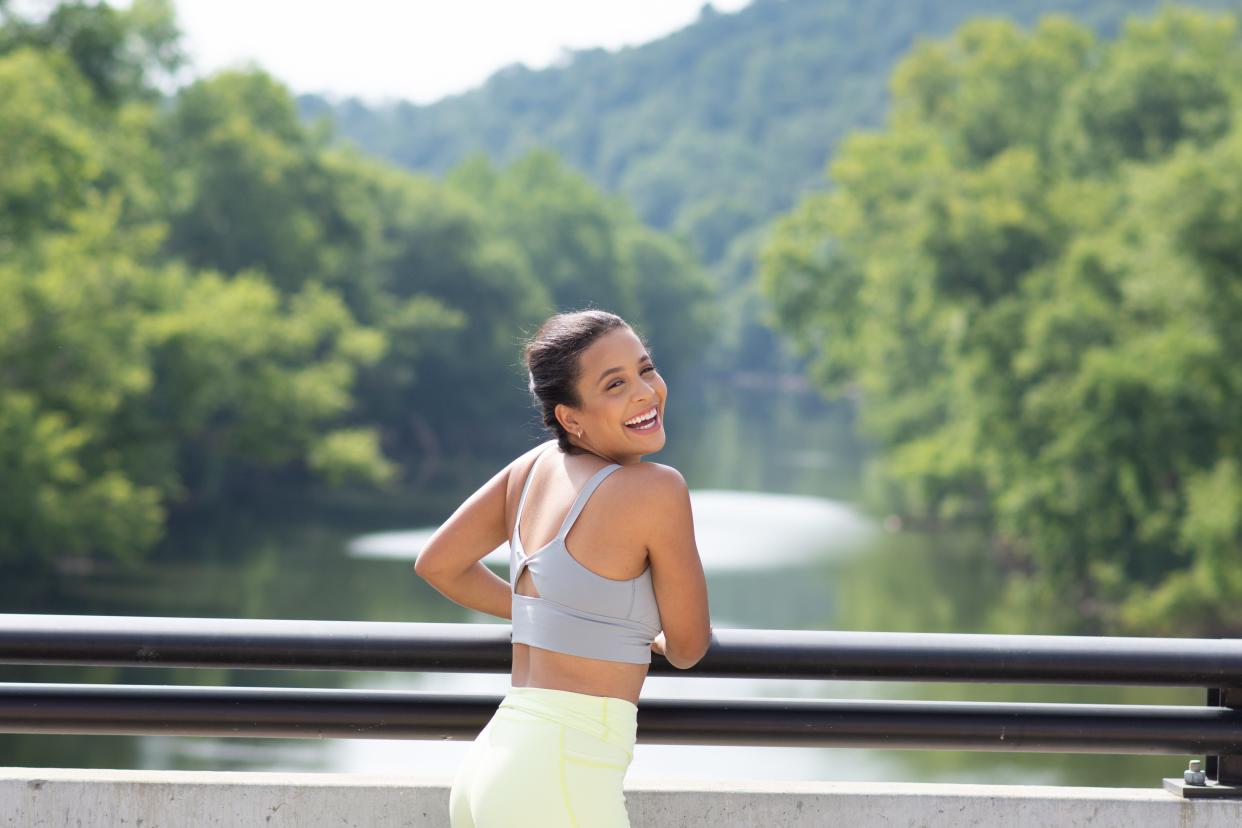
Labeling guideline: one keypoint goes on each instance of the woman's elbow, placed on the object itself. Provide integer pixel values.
(424, 567)
(682, 661)
(683, 658)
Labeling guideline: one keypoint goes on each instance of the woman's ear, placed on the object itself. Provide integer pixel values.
(567, 417)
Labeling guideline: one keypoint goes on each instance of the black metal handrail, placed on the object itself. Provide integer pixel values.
(1215, 664)
(792, 654)
(388, 714)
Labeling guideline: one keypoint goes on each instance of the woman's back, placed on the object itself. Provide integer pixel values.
(574, 531)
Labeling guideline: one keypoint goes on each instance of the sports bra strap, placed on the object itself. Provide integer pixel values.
(530, 475)
(579, 501)
(583, 495)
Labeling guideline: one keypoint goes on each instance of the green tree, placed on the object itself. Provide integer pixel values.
(48, 160)
(1029, 288)
(716, 129)
(131, 384)
(588, 249)
(129, 388)
(204, 299)
(121, 53)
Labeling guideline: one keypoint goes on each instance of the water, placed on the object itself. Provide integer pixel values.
(772, 479)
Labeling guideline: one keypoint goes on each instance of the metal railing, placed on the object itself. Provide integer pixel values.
(1214, 730)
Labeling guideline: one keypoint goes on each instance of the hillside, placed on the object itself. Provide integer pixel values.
(710, 131)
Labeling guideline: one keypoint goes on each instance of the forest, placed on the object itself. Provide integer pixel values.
(710, 132)
(204, 299)
(1031, 278)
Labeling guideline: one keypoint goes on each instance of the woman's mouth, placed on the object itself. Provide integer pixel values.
(648, 421)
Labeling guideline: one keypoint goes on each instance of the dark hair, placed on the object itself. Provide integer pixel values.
(552, 362)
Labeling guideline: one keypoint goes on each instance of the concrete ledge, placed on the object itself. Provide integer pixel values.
(45, 797)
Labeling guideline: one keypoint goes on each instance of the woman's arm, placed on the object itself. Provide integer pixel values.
(452, 559)
(676, 570)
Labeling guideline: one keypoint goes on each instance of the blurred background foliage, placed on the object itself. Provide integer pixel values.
(204, 299)
(710, 132)
(1025, 276)
(1031, 276)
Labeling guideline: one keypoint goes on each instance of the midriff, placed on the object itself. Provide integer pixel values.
(537, 667)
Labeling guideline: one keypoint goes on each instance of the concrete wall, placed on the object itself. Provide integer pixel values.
(44, 797)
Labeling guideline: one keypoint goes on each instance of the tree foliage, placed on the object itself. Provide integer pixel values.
(203, 299)
(1030, 278)
(713, 131)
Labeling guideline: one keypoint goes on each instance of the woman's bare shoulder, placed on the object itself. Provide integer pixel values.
(515, 470)
(519, 465)
(651, 484)
(528, 456)
(655, 503)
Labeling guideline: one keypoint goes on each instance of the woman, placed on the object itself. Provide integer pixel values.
(621, 578)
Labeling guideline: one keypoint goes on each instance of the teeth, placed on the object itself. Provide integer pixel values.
(641, 417)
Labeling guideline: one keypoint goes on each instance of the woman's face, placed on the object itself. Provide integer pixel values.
(617, 383)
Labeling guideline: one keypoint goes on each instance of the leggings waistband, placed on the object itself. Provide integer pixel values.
(605, 717)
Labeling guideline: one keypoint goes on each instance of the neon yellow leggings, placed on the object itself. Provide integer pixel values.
(547, 758)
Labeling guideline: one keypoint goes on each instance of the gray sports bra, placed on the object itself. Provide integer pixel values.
(578, 611)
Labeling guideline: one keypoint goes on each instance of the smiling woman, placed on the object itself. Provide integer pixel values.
(619, 579)
(622, 392)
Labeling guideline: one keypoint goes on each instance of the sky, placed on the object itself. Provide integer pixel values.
(417, 50)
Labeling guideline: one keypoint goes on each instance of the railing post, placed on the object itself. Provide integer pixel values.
(1225, 769)
(1221, 776)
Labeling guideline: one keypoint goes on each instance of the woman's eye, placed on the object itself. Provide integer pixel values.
(618, 382)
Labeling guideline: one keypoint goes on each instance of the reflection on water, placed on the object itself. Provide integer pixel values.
(733, 530)
(771, 478)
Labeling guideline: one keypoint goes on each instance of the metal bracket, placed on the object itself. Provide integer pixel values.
(1211, 790)
(1223, 774)
(1225, 769)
